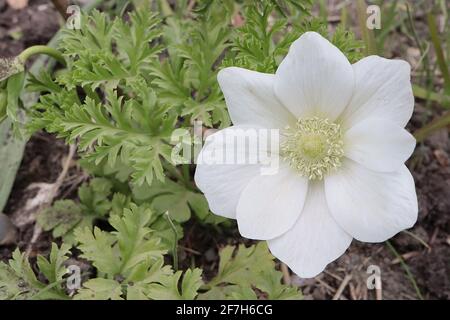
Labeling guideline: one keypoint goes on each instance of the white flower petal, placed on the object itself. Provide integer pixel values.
(379, 144)
(250, 98)
(371, 206)
(315, 78)
(222, 184)
(270, 204)
(382, 90)
(315, 240)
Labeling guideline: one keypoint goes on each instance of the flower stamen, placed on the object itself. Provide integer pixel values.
(313, 146)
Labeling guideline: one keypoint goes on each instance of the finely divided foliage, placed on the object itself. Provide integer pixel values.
(128, 84)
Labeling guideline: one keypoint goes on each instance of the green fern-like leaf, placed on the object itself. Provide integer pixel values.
(171, 289)
(261, 44)
(242, 269)
(18, 280)
(65, 215)
(100, 289)
(117, 253)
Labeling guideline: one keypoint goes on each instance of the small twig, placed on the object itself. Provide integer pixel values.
(405, 256)
(335, 276)
(286, 275)
(74, 182)
(37, 231)
(197, 253)
(326, 285)
(341, 288)
(365, 292)
(407, 296)
(434, 235)
(353, 294)
(379, 293)
(61, 6)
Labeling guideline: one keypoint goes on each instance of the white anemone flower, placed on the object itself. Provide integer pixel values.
(342, 151)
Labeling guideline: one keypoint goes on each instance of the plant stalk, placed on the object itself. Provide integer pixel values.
(433, 126)
(40, 49)
(439, 52)
(406, 268)
(175, 243)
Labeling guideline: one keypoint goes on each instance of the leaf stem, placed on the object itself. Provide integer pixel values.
(431, 127)
(426, 245)
(40, 49)
(427, 93)
(406, 268)
(422, 93)
(438, 50)
(175, 243)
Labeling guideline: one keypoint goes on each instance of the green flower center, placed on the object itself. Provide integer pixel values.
(313, 147)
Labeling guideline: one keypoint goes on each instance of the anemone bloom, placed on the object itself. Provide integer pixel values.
(342, 151)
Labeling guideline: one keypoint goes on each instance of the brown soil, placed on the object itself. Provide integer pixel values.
(430, 164)
(32, 25)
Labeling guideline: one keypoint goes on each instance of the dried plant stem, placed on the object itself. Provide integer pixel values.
(379, 294)
(341, 288)
(286, 275)
(51, 196)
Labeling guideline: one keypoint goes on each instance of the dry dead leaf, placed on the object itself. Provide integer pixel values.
(37, 195)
